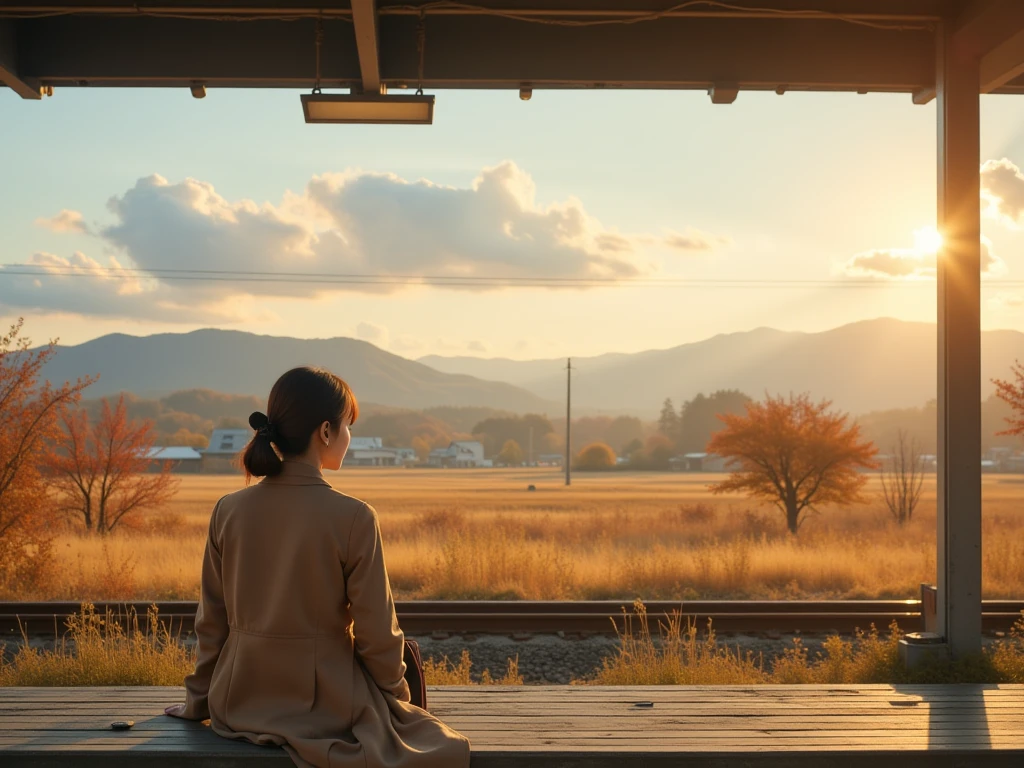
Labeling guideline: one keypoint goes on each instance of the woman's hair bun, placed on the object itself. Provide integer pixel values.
(258, 420)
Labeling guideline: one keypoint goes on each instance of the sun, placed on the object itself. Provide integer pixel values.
(927, 241)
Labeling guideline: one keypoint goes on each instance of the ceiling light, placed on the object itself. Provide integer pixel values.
(526, 94)
(368, 108)
(198, 90)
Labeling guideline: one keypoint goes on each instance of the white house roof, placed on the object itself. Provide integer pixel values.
(174, 453)
(372, 453)
(228, 442)
(366, 443)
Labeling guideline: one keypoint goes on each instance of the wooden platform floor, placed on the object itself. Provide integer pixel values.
(772, 726)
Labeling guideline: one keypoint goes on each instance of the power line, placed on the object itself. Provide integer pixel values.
(455, 281)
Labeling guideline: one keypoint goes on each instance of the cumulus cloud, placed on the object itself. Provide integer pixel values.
(67, 221)
(342, 226)
(912, 263)
(1002, 187)
(81, 285)
(495, 228)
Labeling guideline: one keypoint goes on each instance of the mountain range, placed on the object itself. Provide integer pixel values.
(246, 364)
(865, 366)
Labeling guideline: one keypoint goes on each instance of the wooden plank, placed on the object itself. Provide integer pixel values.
(573, 727)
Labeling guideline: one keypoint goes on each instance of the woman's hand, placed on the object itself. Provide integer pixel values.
(175, 710)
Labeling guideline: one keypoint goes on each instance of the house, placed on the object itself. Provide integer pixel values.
(183, 460)
(405, 455)
(366, 443)
(371, 457)
(460, 454)
(550, 460)
(220, 456)
(698, 462)
(371, 452)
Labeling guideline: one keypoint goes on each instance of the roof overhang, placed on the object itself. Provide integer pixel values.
(370, 46)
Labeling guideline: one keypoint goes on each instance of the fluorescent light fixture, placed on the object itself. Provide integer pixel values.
(367, 108)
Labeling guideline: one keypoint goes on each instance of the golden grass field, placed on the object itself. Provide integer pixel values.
(451, 534)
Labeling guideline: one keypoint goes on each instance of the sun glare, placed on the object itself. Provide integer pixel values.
(927, 240)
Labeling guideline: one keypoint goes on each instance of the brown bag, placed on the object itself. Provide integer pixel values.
(414, 674)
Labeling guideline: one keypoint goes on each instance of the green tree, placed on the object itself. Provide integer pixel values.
(495, 432)
(668, 421)
(659, 449)
(596, 457)
(623, 431)
(699, 418)
(511, 454)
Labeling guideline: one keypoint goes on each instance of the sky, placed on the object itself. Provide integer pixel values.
(576, 223)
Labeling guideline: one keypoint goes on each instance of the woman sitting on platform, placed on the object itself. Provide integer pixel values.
(299, 644)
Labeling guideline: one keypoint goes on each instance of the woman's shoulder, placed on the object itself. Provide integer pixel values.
(325, 496)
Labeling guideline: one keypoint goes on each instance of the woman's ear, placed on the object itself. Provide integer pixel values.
(325, 432)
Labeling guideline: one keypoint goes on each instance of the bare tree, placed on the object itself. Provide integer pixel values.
(902, 478)
(100, 470)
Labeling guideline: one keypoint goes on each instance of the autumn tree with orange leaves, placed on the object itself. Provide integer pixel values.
(100, 469)
(795, 453)
(1012, 392)
(29, 409)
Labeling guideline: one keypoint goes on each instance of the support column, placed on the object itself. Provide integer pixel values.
(959, 347)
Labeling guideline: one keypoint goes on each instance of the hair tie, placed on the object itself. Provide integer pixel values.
(261, 424)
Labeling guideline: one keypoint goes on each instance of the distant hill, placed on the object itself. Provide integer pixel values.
(247, 364)
(865, 366)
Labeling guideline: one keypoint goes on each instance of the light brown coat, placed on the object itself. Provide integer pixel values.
(299, 644)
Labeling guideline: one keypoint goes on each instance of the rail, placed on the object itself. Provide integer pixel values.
(48, 619)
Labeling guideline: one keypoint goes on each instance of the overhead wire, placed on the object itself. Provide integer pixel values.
(457, 281)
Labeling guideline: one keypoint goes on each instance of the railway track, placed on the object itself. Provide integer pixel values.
(47, 620)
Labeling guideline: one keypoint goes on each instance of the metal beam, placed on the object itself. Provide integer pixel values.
(26, 88)
(364, 20)
(959, 347)
(482, 52)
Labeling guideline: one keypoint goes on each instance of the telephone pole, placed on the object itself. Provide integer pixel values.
(568, 423)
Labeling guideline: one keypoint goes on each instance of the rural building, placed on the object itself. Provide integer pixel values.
(371, 452)
(225, 445)
(698, 462)
(550, 460)
(183, 460)
(460, 454)
(366, 443)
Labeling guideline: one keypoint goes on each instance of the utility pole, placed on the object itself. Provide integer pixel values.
(568, 423)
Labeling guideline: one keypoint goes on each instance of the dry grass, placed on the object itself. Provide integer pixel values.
(480, 534)
(444, 672)
(680, 654)
(98, 651)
